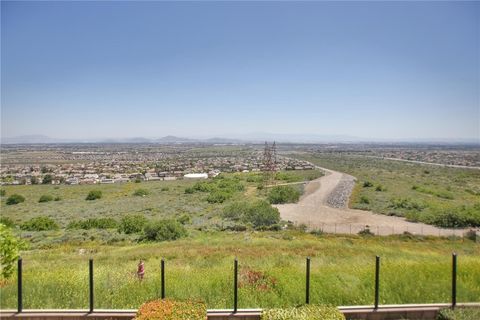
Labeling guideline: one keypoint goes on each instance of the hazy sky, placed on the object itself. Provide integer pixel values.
(123, 69)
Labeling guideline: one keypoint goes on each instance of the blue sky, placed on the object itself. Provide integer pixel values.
(390, 70)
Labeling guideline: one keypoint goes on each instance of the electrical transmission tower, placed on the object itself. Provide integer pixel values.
(269, 163)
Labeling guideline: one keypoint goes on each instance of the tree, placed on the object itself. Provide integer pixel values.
(47, 179)
(10, 247)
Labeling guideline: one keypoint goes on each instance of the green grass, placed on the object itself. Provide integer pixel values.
(426, 190)
(201, 266)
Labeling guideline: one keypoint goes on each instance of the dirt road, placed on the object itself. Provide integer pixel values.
(324, 206)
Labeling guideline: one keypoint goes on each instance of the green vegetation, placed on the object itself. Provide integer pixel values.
(41, 223)
(172, 310)
(258, 214)
(47, 179)
(7, 222)
(164, 230)
(15, 199)
(45, 198)
(283, 194)
(445, 197)
(10, 247)
(271, 271)
(94, 195)
(3, 192)
(306, 312)
(459, 314)
(219, 189)
(94, 223)
(133, 223)
(140, 192)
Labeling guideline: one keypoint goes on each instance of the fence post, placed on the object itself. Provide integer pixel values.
(19, 286)
(235, 285)
(377, 280)
(454, 280)
(162, 265)
(90, 276)
(307, 284)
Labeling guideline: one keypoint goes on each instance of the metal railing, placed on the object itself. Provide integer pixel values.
(235, 283)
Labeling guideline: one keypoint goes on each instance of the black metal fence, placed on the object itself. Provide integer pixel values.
(235, 283)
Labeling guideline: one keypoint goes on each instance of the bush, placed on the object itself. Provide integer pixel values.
(10, 247)
(307, 312)
(140, 193)
(132, 224)
(364, 200)
(459, 314)
(380, 188)
(218, 197)
(366, 232)
(42, 223)
(164, 230)
(184, 219)
(3, 192)
(15, 199)
(259, 214)
(367, 184)
(6, 221)
(165, 189)
(169, 309)
(57, 198)
(94, 195)
(460, 218)
(470, 235)
(189, 190)
(45, 198)
(283, 194)
(93, 223)
(47, 179)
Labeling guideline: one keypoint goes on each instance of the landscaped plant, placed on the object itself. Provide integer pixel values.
(459, 314)
(172, 310)
(15, 199)
(41, 223)
(307, 312)
(94, 194)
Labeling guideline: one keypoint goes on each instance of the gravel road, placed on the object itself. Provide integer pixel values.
(324, 205)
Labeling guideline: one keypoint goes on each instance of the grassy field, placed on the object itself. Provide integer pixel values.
(272, 271)
(163, 199)
(419, 192)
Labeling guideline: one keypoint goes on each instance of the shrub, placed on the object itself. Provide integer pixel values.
(45, 198)
(367, 184)
(165, 189)
(307, 312)
(218, 197)
(10, 247)
(459, 314)
(366, 232)
(283, 194)
(189, 190)
(42, 223)
(364, 200)
(460, 218)
(184, 219)
(164, 230)
(3, 192)
(259, 214)
(380, 188)
(140, 193)
(94, 194)
(132, 224)
(406, 204)
(6, 221)
(93, 223)
(169, 309)
(15, 199)
(47, 179)
(57, 198)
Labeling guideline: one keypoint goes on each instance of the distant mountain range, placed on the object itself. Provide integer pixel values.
(256, 137)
